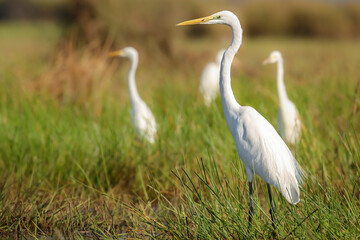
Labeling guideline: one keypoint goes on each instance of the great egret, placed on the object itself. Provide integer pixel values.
(258, 144)
(288, 119)
(141, 116)
(209, 82)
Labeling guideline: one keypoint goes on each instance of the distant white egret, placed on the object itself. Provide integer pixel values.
(258, 144)
(209, 82)
(141, 116)
(288, 119)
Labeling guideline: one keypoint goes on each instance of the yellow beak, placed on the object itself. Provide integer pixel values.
(196, 21)
(115, 53)
(266, 61)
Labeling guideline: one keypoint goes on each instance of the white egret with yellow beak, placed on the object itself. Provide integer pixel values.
(288, 118)
(258, 144)
(141, 115)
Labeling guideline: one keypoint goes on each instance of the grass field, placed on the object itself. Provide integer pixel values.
(78, 170)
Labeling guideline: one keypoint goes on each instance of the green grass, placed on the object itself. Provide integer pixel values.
(68, 170)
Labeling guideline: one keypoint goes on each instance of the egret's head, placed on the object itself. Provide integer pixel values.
(274, 57)
(223, 17)
(129, 52)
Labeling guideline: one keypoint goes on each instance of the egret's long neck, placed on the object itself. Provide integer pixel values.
(134, 95)
(227, 96)
(280, 81)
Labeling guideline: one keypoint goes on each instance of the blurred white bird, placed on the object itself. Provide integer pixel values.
(141, 116)
(209, 82)
(258, 144)
(288, 119)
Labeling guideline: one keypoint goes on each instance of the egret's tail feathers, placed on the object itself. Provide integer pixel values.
(290, 189)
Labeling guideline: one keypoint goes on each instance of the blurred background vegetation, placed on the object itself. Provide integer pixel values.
(330, 19)
(88, 29)
(327, 19)
(91, 25)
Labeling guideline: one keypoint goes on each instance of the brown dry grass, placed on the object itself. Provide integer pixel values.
(78, 76)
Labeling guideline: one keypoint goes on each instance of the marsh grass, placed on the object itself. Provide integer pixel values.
(76, 169)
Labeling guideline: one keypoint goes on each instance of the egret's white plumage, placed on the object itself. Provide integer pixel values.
(209, 82)
(258, 144)
(141, 115)
(288, 118)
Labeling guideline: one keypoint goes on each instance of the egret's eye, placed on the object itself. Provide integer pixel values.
(217, 17)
